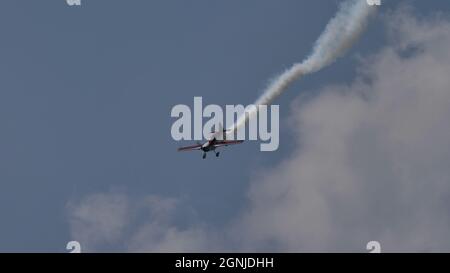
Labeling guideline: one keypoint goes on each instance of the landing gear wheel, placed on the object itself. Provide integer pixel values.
(204, 155)
(217, 154)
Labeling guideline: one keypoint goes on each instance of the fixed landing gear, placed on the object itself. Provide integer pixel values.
(204, 155)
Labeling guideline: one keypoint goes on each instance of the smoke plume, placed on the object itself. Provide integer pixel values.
(338, 36)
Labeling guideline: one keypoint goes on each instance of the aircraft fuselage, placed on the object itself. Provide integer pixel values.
(209, 146)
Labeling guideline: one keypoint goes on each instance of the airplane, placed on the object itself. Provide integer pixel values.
(212, 143)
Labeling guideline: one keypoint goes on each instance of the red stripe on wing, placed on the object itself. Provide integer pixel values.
(190, 148)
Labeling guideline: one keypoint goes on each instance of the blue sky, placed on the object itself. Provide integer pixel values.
(86, 94)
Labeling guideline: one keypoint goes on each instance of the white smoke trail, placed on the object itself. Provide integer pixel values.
(339, 34)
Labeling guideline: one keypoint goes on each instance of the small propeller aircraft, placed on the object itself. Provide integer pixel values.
(213, 143)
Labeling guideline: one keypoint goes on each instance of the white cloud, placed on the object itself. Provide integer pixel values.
(146, 224)
(99, 219)
(372, 162)
(161, 232)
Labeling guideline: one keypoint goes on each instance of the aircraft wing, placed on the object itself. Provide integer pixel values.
(190, 148)
(221, 143)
